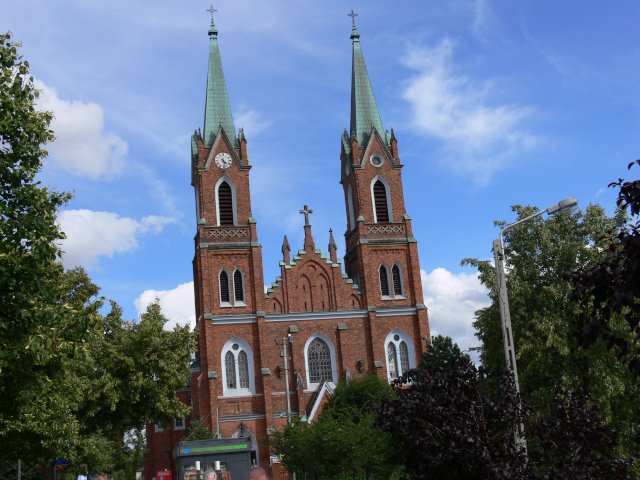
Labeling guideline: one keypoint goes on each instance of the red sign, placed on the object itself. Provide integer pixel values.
(163, 475)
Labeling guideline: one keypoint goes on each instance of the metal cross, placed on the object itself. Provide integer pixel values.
(353, 17)
(212, 10)
(306, 213)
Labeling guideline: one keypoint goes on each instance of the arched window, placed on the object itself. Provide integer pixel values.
(396, 276)
(384, 281)
(225, 298)
(238, 289)
(352, 211)
(380, 198)
(320, 359)
(400, 353)
(226, 202)
(237, 368)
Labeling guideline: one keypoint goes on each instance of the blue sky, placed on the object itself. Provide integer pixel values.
(493, 104)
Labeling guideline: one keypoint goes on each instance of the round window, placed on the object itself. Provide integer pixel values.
(235, 346)
(376, 160)
(396, 337)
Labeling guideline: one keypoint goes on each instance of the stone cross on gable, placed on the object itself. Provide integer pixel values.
(306, 213)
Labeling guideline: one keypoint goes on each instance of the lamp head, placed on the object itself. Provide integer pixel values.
(563, 206)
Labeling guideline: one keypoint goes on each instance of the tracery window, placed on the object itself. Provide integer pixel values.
(238, 368)
(400, 354)
(319, 360)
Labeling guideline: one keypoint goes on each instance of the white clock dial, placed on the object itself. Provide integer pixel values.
(223, 160)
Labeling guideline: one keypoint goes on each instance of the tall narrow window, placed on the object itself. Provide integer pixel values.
(319, 358)
(380, 201)
(391, 361)
(224, 287)
(243, 369)
(384, 281)
(397, 280)
(230, 368)
(238, 287)
(404, 357)
(225, 204)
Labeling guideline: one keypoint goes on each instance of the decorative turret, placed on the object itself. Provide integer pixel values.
(217, 111)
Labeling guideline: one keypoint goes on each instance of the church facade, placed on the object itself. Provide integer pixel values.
(340, 319)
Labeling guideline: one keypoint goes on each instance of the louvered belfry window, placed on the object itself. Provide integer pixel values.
(319, 358)
(397, 282)
(384, 281)
(225, 204)
(230, 368)
(391, 360)
(380, 200)
(243, 369)
(237, 286)
(224, 287)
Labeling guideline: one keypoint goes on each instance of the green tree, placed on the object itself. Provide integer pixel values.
(443, 353)
(343, 442)
(545, 321)
(39, 323)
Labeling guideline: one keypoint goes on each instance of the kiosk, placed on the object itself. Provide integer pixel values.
(234, 455)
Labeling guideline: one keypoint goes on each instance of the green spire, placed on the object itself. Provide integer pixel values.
(364, 110)
(217, 110)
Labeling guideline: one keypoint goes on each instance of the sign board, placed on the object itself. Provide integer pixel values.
(163, 475)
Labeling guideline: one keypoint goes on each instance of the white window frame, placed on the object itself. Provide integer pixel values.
(352, 211)
(403, 336)
(373, 198)
(389, 284)
(392, 290)
(332, 354)
(237, 303)
(237, 392)
(175, 424)
(376, 155)
(230, 285)
(233, 199)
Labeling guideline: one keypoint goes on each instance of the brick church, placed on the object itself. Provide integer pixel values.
(343, 319)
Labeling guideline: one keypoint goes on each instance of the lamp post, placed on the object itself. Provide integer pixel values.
(503, 300)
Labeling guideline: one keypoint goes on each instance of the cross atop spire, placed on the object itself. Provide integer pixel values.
(306, 211)
(213, 10)
(353, 18)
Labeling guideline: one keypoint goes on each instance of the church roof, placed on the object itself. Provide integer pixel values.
(217, 110)
(364, 109)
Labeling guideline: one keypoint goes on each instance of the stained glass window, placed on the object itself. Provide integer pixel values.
(404, 357)
(319, 358)
(243, 369)
(230, 368)
(392, 361)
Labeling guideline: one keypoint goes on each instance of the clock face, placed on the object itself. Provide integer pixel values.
(223, 160)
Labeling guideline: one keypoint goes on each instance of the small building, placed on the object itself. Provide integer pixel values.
(234, 455)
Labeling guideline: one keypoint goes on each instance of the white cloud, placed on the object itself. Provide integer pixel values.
(452, 300)
(178, 305)
(252, 122)
(93, 234)
(478, 139)
(82, 146)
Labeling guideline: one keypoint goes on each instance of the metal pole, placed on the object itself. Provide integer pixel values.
(218, 419)
(19, 469)
(286, 378)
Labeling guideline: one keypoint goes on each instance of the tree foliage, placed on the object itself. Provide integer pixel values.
(442, 352)
(610, 288)
(544, 320)
(40, 323)
(343, 442)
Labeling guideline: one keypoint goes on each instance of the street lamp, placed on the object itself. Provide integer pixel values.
(503, 300)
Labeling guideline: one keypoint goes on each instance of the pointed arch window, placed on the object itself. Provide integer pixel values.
(225, 298)
(238, 288)
(384, 281)
(380, 201)
(225, 204)
(400, 353)
(398, 285)
(237, 367)
(352, 211)
(320, 357)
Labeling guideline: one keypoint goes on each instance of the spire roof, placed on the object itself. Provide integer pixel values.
(364, 109)
(217, 110)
